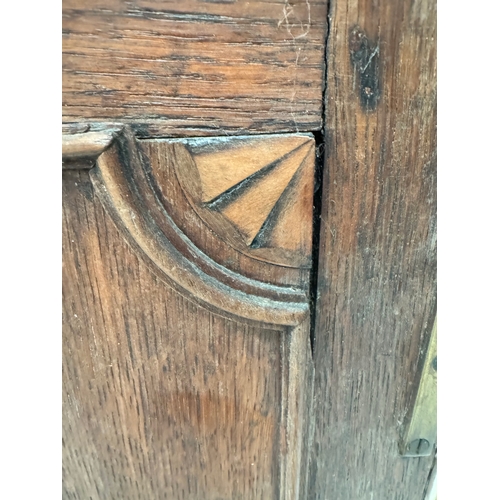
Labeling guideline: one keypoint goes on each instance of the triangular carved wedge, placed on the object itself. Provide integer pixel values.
(224, 162)
(256, 193)
(250, 208)
(138, 186)
(282, 228)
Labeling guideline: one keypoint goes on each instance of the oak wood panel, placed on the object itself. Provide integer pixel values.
(195, 67)
(142, 195)
(245, 189)
(377, 255)
(162, 398)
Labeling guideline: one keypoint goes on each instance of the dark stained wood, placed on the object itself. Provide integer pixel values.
(162, 398)
(195, 67)
(377, 256)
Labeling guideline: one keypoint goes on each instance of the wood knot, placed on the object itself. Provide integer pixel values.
(365, 61)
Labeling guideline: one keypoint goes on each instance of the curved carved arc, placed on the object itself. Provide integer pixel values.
(160, 160)
(256, 191)
(117, 185)
(147, 191)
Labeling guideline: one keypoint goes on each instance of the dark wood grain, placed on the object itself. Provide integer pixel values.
(171, 387)
(377, 256)
(162, 398)
(195, 67)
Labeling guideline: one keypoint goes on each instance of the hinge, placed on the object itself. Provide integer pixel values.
(420, 435)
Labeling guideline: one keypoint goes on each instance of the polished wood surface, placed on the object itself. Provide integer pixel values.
(170, 67)
(377, 254)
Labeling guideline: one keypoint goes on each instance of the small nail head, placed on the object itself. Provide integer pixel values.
(435, 363)
(418, 446)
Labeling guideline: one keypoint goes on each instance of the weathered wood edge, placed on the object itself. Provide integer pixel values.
(90, 144)
(376, 274)
(297, 411)
(116, 153)
(80, 150)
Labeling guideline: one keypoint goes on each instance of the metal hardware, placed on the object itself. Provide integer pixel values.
(421, 433)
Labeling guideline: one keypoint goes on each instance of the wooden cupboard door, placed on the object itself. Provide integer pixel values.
(187, 373)
(187, 361)
(248, 247)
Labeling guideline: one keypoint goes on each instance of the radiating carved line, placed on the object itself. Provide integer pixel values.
(122, 184)
(250, 201)
(280, 228)
(251, 209)
(223, 164)
(221, 201)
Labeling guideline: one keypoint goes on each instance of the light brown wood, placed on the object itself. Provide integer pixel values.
(161, 398)
(194, 271)
(156, 396)
(292, 228)
(84, 145)
(262, 204)
(377, 249)
(267, 167)
(81, 146)
(252, 208)
(151, 216)
(224, 162)
(194, 68)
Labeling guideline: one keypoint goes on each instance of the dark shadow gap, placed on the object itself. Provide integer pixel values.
(319, 137)
(317, 200)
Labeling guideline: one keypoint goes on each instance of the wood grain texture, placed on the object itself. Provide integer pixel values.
(149, 210)
(195, 67)
(81, 149)
(261, 185)
(249, 210)
(171, 165)
(225, 162)
(377, 256)
(162, 398)
(91, 144)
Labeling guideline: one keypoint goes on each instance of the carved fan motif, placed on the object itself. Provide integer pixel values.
(263, 186)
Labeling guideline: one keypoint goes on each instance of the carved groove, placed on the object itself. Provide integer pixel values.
(224, 162)
(262, 186)
(125, 187)
(139, 188)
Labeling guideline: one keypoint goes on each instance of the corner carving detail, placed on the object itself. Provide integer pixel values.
(263, 186)
(227, 221)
